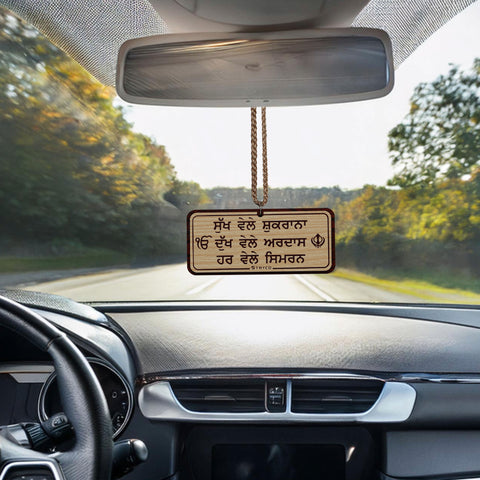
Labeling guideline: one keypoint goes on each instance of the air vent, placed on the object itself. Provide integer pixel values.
(221, 396)
(334, 396)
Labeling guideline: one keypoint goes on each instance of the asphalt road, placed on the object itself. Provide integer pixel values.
(174, 282)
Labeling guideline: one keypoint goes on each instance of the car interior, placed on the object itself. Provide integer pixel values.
(235, 389)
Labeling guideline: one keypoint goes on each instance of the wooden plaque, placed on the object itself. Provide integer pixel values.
(279, 241)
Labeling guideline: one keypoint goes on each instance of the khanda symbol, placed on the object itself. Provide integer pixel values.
(318, 240)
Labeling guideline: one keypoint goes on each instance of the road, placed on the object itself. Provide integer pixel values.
(174, 282)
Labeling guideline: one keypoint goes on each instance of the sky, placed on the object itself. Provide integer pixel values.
(314, 146)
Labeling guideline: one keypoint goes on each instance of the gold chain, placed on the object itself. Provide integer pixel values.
(253, 112)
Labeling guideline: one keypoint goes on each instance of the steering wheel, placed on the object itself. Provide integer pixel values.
(84, 402)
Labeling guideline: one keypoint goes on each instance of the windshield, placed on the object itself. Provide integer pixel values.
(94, 193)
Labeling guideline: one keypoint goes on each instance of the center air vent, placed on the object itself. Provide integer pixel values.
(334, 396)
(221, 396)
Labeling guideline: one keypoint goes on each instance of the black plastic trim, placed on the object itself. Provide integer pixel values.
(57, 304)
(464, 315)
(446, 406)
(435, 454)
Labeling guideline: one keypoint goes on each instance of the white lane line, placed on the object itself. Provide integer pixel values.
(203, 286)
(314, 288)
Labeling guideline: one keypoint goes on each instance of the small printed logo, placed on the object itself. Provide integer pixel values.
(318, 240)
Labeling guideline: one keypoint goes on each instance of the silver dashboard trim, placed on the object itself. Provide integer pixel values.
(288, 393)
(395, 404)
(51, 465)
(454, 379)
(27, 373)
(402, 378)
(265, 376)
(30, 377)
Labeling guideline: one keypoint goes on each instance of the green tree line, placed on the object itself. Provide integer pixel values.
(72, 170)
(427, 220)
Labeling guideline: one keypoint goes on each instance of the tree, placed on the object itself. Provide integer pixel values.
(450, 212)
(71, 167)
(440, 137)
(371, 215)
(186, 195)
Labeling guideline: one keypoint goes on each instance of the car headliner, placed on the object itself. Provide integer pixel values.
(92, 31)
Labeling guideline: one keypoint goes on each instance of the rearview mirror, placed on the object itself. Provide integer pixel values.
(301, 67)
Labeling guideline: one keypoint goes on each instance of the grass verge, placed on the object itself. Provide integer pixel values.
(410, 286)
(88, 259)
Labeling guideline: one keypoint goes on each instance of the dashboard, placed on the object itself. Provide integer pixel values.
(277, 391)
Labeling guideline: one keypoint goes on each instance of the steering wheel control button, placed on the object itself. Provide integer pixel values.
(57, 426)
(276, 396)
(58, 420)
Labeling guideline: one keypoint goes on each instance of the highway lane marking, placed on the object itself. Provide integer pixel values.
(314, 288)
(203, 286)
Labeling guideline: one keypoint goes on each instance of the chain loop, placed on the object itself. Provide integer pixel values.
(253, 112)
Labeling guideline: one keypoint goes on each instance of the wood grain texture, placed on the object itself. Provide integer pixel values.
(277, 241)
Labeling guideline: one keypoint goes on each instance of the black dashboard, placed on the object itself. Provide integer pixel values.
(270, 390)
